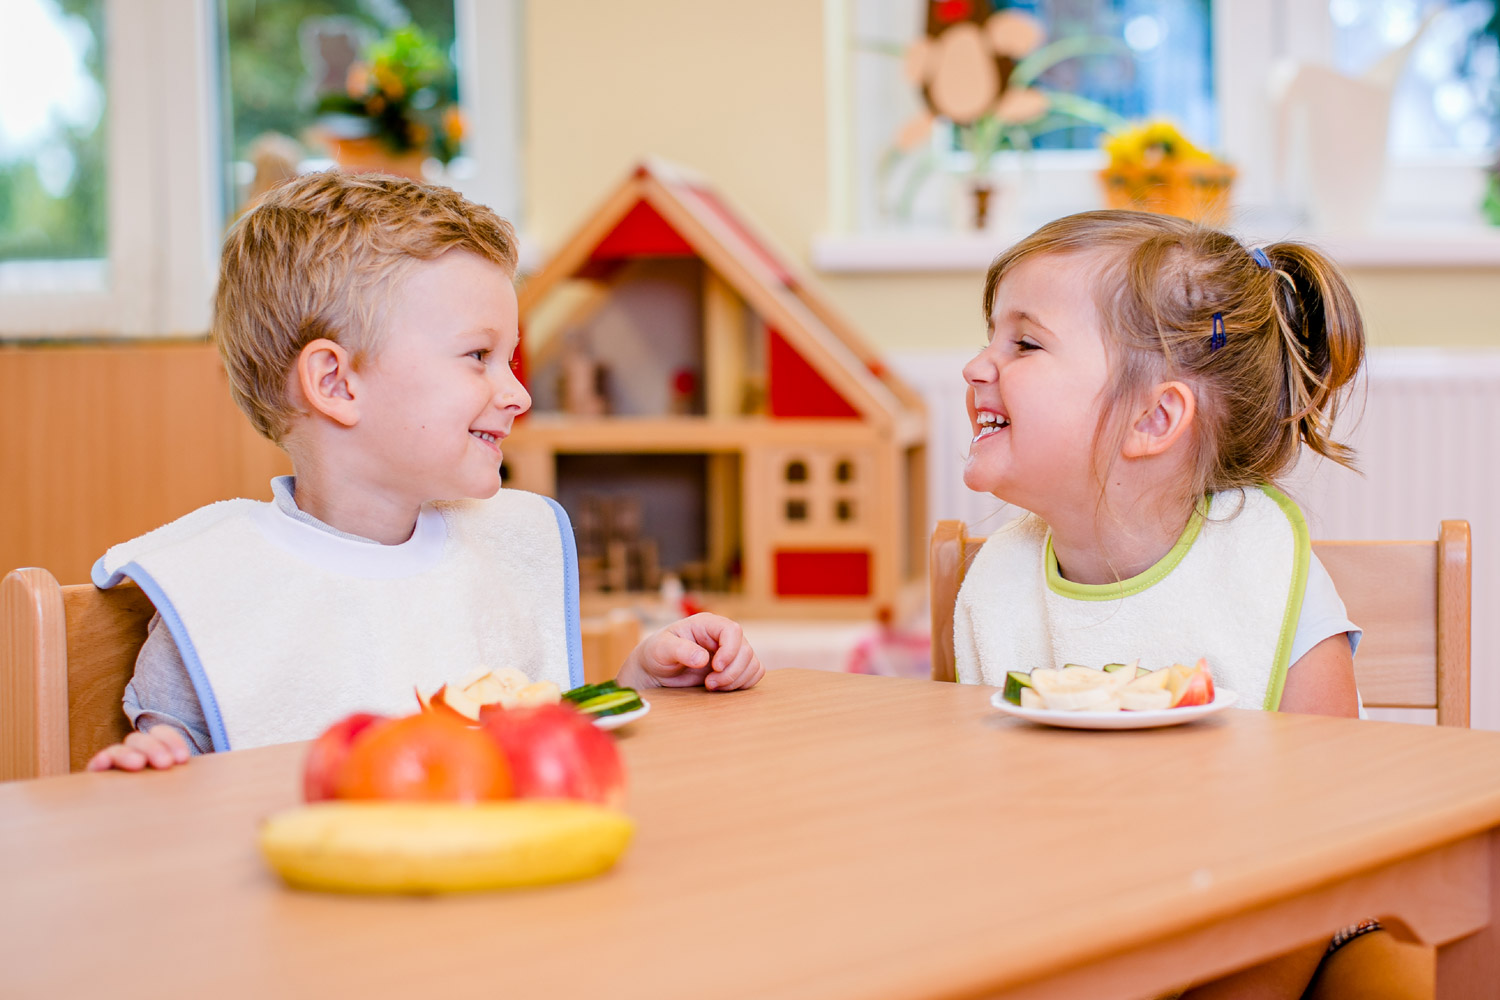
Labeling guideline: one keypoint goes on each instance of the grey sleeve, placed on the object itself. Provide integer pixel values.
(162, 694)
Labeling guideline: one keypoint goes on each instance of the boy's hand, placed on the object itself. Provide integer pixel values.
(705, 649)
(160, 747)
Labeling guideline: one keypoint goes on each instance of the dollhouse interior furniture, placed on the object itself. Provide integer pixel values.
(1412, 597)
(701, 410)
(66, 654)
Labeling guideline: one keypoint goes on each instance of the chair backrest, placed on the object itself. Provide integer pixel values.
(1412, 598)
(66, 654)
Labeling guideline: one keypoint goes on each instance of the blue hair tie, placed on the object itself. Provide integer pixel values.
(1261, 258)
(1216, 339)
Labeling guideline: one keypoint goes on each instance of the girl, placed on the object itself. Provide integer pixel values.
(1144, 383)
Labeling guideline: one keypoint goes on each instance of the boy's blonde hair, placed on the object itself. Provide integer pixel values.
(317, 258)
(1292, 339)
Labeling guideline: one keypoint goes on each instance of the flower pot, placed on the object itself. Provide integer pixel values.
(368, 155)
(1197, 190)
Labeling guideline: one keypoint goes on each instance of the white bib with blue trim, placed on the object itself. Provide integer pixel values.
(285, 628)
(1229, 591)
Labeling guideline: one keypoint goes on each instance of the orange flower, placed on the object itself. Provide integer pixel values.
(453, 123)
(357, 82)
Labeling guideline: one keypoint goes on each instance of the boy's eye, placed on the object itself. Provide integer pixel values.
(479, 354)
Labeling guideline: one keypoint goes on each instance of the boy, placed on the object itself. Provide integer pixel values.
(369, 327)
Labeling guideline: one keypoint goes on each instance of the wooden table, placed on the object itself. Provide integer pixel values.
(819, 836)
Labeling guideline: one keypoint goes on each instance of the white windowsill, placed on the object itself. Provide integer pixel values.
(917, 252)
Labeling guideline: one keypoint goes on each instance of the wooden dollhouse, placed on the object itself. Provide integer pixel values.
(700, 409)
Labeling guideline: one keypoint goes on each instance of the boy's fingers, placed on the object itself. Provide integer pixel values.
(156, 754)
(741, 674)
(728, 664)
(683, 651)
(172, 739)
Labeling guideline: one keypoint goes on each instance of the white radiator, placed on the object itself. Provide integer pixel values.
(1425, 424)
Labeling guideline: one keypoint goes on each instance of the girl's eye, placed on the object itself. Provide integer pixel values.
(478, 355)
(1023, 345)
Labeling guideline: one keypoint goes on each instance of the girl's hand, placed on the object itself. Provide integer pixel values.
(160, 747)
(705, 649)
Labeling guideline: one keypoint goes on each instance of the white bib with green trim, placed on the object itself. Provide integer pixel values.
(1230, 591)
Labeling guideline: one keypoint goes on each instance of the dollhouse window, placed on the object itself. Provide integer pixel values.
(796, 510)
(844, 471)
(796, 472)
(843, 511)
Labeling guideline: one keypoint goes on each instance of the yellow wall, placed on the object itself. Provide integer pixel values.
(736, 91)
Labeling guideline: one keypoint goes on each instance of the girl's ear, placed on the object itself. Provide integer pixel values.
(325, 375)
(1169, 412)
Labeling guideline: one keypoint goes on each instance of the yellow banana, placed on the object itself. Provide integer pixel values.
(421, 847)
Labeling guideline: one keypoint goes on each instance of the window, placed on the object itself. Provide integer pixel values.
(115, 128)
(52, 131)
(1211, 66)
(796, 471)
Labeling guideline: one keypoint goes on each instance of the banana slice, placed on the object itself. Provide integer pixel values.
(1147, 693)
(1073, 688)
(424, 847)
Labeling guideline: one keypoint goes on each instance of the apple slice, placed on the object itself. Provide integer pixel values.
(1073, 688)
(1191, 685)
(447, 699)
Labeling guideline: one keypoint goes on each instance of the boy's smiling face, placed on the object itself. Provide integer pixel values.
(439, 395)
(1035, 388)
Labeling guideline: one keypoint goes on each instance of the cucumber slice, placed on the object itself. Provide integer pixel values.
(587, 691)
(612, 703)
(1110, 668)
(1014, 682)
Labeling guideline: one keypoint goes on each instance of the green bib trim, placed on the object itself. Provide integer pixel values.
(1302, 558)
(1124, 588)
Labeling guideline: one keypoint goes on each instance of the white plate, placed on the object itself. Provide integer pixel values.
(1223, 698)
(616, 721)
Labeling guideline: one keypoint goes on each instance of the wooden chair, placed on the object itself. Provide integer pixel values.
(66, 654)
(1411, 597)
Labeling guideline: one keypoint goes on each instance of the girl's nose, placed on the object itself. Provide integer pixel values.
(981, 368)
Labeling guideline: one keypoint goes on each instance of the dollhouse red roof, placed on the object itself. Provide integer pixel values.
(823, 367)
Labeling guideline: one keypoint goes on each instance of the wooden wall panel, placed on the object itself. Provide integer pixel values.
(101, 443)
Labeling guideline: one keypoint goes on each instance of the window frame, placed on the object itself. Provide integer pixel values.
(164, 186)
(1436, 195)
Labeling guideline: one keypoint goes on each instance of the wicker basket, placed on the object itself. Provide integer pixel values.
(1197, 190)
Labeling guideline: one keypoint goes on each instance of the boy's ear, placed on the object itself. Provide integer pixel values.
(1169, 412)
(325, 375)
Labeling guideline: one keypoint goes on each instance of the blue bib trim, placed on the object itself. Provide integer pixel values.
(570, 593)
(185, 649)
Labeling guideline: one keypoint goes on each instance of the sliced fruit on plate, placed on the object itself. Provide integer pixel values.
(407, 847)
(1190, 685)
(1074, 688)
(1030, 699)
(1147, 693)
(1015, 681)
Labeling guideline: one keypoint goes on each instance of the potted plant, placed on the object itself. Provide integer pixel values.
(397, 107)
(1154, 168)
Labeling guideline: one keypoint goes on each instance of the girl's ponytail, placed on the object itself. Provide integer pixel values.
(1322, 339)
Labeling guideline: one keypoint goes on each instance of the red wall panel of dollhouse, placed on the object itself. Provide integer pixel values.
(796, 389)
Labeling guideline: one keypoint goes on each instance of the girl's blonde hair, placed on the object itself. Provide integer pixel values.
(1292, 339)
(317, 258)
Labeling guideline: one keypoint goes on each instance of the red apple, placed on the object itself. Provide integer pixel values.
(424, 757)
(1191, 687)
(325, 758)
(556, 752)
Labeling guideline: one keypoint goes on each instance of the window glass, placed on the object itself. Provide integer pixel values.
(52, 197)
(1445, 99)
(282, 57)
(1162, 66)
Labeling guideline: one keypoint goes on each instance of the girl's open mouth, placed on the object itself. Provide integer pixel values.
(989, 423)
